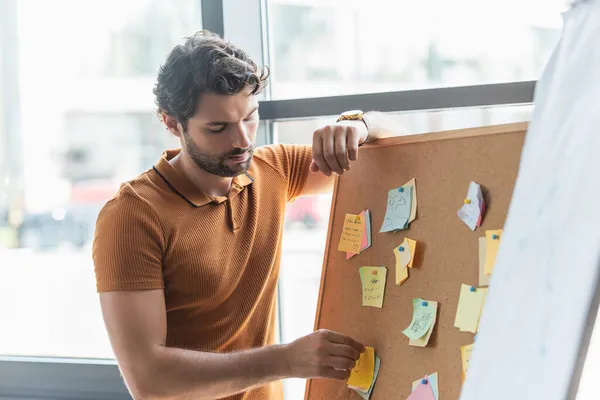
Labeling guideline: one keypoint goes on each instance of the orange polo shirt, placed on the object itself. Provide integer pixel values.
(217, 259)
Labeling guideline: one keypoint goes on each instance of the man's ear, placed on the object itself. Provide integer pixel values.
(172, 124)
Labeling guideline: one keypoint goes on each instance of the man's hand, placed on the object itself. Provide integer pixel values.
(335, 146)
(322, 354)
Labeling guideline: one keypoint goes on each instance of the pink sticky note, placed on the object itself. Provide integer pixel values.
(364, 242)
(422, 392)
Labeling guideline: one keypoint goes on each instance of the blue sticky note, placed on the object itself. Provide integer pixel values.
(398, 210)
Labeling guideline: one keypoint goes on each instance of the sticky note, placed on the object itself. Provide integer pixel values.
(484, 280)
(366, 236)
(423, 391)
(362, 374)
(367, 395)
(473, 207)
(413, 205)
(470, 306)
(492, 242)
(412, 244)
(373, 285)
(433, 381)
(465, 355)
(404, 257)
(424, 340)
(423, 317)
(352, 233)
(398, 210)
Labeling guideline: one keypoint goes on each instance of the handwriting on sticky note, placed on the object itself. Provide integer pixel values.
(473, 207)
(470, 306)
(413, 206)
(423, 391)
(424, 340)
(366, 234)
(423, 317)
(398, 210)
(373, 285)
(433, 381)
(367, 395)
(361, 375)
(465, 355)
(492, 242)
(352, 233)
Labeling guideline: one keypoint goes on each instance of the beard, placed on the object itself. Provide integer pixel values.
(215, 164)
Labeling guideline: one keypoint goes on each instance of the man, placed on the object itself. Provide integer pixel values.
(187, 254)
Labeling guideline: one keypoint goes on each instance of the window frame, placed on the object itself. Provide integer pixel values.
(244, 22)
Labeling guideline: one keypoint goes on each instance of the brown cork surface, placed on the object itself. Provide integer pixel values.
(443, 165)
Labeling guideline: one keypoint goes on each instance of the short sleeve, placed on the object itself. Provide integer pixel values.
(290, 161)
(128, 246)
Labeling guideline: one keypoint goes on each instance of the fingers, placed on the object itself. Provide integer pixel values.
(332, 373)
(345, 351)
(329, 153)
(352, 139)
(340, 150)
(335, 337)
(313, 166)
(318, 156)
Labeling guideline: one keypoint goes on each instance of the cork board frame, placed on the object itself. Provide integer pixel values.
(443, 164)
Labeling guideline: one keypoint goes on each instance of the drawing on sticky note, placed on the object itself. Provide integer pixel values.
(470, 306)
(423, 317)
(398, 210)
(433, 381)
(492, 242)
(424, 340)
(373, 285)
(473, 207)
(352, 233)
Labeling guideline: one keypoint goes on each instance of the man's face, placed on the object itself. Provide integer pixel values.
(220, 137)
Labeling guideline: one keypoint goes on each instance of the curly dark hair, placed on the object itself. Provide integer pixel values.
(205, 63)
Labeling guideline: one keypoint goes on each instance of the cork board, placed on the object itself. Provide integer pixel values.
(443, 164)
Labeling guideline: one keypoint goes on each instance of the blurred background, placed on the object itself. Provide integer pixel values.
(77, 117)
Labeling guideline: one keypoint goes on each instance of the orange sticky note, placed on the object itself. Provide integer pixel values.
(352, 233)
(465, 355)
(361, 375)
(492, 242)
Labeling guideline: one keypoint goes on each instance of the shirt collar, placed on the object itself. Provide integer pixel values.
(181, 185)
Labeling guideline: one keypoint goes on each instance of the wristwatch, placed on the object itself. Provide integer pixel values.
(356, 115)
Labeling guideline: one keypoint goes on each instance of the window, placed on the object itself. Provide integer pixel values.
(336, 47)
(307, 218)
(85, 122)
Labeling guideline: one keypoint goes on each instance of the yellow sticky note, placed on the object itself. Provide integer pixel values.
(413, 205)
(361, 375)
(412, 244)
(484, 280)
(422, 341)
(492, 242)
(373, 285)
(403, 257)
(465, 355)
(470, 305)
(352, 233)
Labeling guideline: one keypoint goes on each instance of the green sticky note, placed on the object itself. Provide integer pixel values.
(423, 317)
(397, 214)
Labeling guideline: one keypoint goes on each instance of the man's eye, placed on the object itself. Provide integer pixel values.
(219, 130)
